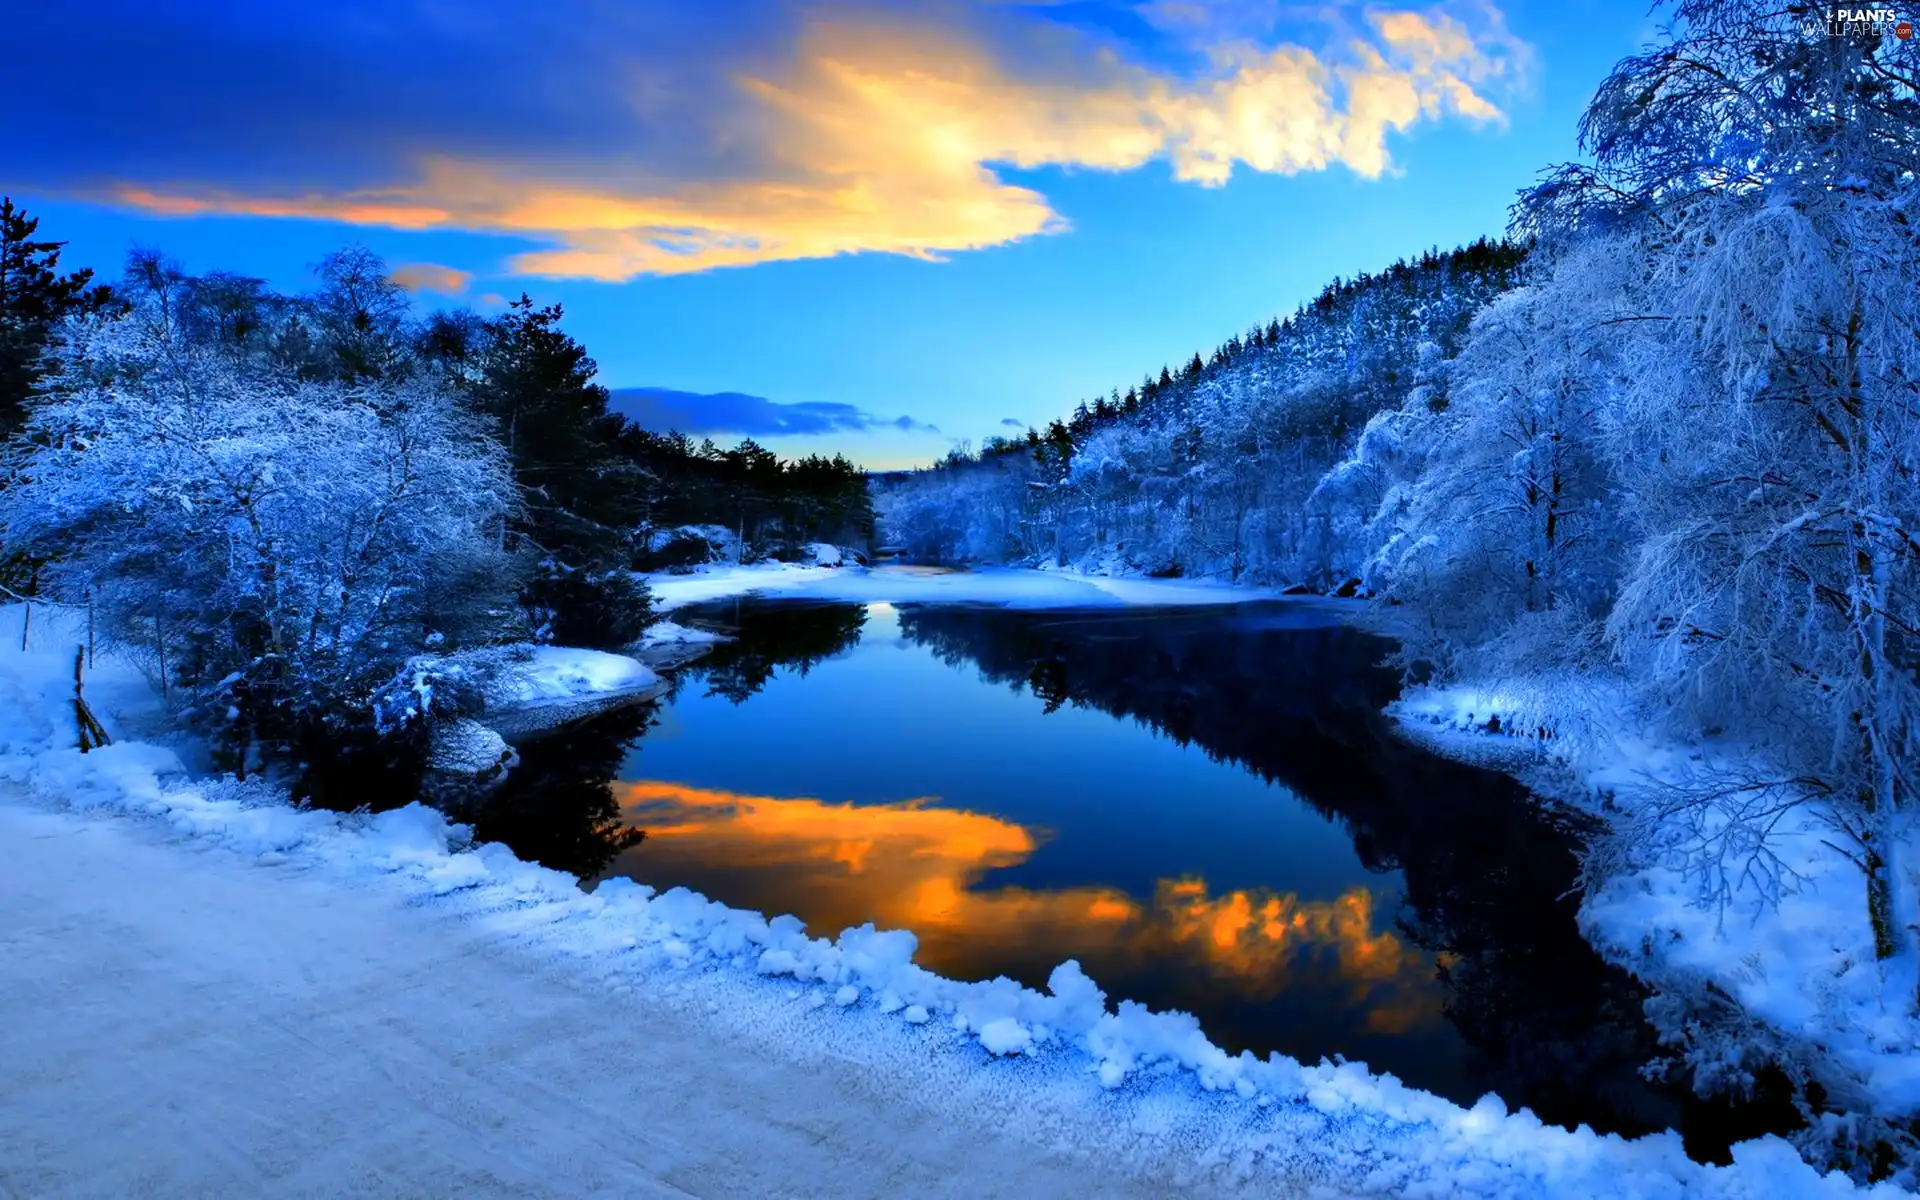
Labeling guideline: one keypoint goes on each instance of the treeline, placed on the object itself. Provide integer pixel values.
(771, 507)
(277, 500)
(1208, 470)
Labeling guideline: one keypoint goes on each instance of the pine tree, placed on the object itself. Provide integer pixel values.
(34, 296)
(537, 382)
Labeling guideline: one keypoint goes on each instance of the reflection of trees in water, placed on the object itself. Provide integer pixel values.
(767, 637)
(557, 806)
(1548, 1023)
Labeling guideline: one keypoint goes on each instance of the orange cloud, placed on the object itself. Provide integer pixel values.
(888, 140)
(912, 865)
(397, 208)
(432, 277)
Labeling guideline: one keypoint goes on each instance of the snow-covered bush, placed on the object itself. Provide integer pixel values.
(683, 547)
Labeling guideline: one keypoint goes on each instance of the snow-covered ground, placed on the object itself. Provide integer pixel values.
(515, 689)
(261, 999)
(178, 1021)
(1013, 588)
(1692, 918)
(664, 633)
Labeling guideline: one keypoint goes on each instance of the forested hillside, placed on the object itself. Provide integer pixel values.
(1212, 470)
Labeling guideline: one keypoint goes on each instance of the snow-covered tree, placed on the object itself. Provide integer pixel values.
(275, 546)
(1508, 539)
(1768, 426)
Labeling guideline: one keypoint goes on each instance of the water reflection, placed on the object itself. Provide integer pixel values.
(558, 806)
(914, 866)
(961, 772)
(765, 639)
(1486, 877)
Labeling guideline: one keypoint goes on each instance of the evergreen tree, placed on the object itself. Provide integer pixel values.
(34, 296)
(537, 382)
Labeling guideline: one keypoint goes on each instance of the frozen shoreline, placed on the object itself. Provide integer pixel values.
(1797, 968)
(1010, 587)
(252, 1030)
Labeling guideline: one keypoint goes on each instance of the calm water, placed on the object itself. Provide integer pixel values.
(1203, 806)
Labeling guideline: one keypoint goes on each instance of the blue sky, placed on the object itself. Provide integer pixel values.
(919, 221)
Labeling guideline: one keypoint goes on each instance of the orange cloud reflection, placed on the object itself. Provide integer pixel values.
(914, 865)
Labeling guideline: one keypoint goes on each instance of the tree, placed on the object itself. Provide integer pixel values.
(1511, 551)
(581, 494)
(360, 314)
(453, 343)
(34, 297)
(1770, 418)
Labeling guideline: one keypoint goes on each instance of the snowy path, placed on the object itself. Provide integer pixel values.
(293, 1037)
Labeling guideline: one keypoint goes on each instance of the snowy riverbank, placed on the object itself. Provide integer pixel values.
(1036, 1078)
(1759, 957)
(1011, 587)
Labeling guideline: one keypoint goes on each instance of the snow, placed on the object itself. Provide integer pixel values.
(667, 633)
(1462, 708)
(565, 675)
(718, 536)
(261, 1031)
(265, 953)
(1798, 958)
(1012, 588)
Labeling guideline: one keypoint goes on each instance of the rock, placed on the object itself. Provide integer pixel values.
(465, 761)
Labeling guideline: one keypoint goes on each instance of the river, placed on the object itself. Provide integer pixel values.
(1203, 806)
